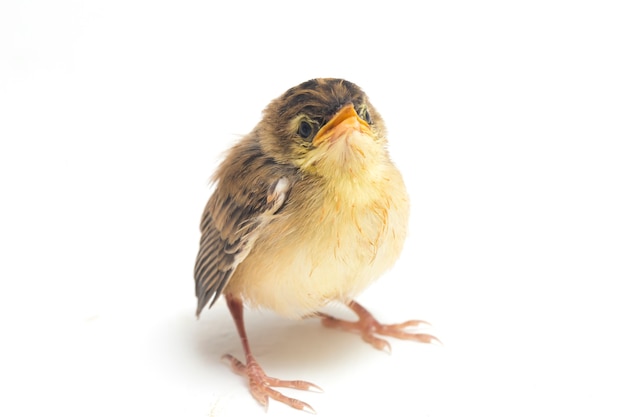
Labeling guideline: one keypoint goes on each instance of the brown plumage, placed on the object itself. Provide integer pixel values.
(308, 208)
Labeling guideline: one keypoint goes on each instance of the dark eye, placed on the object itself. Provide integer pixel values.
(365, 115)
(305, 130)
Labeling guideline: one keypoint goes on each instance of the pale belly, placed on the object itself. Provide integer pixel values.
(295, 271)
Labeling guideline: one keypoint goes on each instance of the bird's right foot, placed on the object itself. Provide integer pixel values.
(260, 384)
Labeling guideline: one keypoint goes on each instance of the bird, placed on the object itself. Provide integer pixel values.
(308, 209)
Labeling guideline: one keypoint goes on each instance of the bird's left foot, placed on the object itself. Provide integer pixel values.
(368, 327)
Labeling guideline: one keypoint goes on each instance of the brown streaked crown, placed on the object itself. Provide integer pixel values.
(317, 100)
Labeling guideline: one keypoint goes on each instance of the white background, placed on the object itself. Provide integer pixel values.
(507, 120)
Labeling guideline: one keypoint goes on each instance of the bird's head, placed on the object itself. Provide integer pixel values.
(324, 127)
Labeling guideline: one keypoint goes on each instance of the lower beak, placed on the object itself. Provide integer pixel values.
(345, 122)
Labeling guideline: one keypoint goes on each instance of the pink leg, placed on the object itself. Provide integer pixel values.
(368, 327)
(259, 382)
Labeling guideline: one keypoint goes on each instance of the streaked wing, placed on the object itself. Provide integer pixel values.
(230, 224)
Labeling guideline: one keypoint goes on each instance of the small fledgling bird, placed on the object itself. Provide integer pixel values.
(308, 208)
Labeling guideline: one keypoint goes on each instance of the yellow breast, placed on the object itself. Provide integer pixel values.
(329, 246)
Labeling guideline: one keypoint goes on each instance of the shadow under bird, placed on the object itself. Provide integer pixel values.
(308, 209)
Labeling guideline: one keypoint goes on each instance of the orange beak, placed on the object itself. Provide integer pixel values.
(343, 124)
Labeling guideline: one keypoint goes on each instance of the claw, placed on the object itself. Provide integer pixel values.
(377, 342)
(296, 384)
(234, 363)
(412, 324)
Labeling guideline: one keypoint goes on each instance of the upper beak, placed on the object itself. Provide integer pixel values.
(344, 122)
